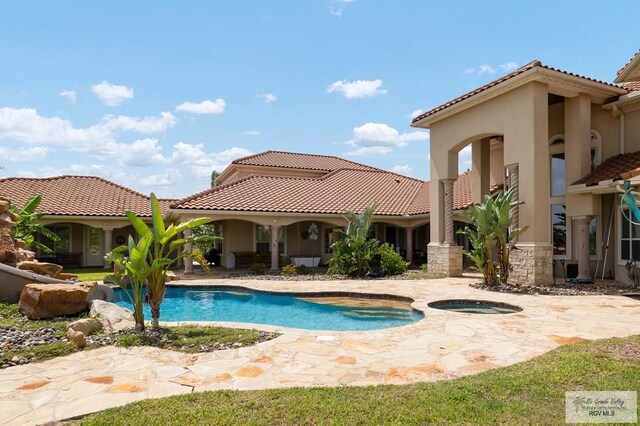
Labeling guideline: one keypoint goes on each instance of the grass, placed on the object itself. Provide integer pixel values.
(184, 338)
(532, 392)
(89, 274)
(192, 338)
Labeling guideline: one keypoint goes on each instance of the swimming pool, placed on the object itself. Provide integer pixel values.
(340, 312)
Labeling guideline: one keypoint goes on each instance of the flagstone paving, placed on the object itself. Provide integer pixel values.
(444, 345)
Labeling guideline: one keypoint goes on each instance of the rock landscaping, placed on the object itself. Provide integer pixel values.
(559, 289)
(41, 301)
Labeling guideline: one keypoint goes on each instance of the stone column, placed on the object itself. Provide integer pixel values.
(582, 246)
(448, 211)
(514, 182)
(274, 247)
(188, 262)
(409, 241)
(108, 236)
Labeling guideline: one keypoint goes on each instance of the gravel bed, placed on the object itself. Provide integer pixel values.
(317, 277)
(559, 289)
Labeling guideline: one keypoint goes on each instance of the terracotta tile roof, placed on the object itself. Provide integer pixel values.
(615, 168)
(79, 196)
(625, 66)
(632, 86)
(334, 193)
(531, 65)
(294, 160)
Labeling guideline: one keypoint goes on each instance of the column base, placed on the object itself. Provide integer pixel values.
(445, 259)
(531, 264)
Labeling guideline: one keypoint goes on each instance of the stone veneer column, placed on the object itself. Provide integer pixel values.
(274, 247)
(446, 257)
(108, 236)
(409, 239)
(582, 246)
(188, 262)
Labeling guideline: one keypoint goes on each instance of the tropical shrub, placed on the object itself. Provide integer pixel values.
(355, 250)
(391, 263)
(289, 270)
(27, 228)
(425, 268)
(165, 248)
(259, 268)
(489, 235)
(133, 265)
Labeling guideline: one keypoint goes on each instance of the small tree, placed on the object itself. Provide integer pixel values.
(214, 178)
(135, 266)
(164, 251)
(27, 226)
(489, 233)
(355, 250)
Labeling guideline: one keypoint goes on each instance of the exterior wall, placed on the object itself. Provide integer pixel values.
(496, 163)
(632, 131)
(296, 246)
(238, 236)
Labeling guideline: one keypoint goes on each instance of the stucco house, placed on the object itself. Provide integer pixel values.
(86, 212)
(282, 207)
(564, 141)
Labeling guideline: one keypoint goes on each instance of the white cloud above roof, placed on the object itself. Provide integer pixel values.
(402, 169)
(267, 97)
(204, 107)
(112, 94)
(357, 89)
(69, 94)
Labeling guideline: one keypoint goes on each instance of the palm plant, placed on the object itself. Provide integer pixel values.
(27, 226)
(164, 251)
(489, 232)
(135, 267)
(355, 250)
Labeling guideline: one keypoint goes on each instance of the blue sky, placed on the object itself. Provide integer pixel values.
(154, 95)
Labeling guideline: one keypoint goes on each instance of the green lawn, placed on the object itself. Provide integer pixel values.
(532, 392)
(89, 274)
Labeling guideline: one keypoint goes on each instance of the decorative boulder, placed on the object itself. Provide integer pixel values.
(85, 325)
(41, 268)
(77, 338)
(7, 250)
(40, 301)
(111, 316)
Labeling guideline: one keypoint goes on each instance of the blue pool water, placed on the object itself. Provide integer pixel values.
(317, 313)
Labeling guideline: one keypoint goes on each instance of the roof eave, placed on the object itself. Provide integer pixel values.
(539, 73)
(628, 69)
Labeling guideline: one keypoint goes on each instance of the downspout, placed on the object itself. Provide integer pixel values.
(621, 132)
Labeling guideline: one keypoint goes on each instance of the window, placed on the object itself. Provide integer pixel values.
(559, 229)
(595, 149)
(263, 239)
(558, 175)
(630, 237)
(328, 240)
(62, 246)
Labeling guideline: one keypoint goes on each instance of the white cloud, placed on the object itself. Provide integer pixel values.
(380, 138)
(204, 107)
(27, 126)
(369, 150)
(402, 169)
(69, 94)
(202, 163)
(491, 69)
(166, 178)
(464, 159)
(416, 113)
(267, 97)
(140, 125)
(143, 152)
(357, 89)
(112, 94)
(509, 66)
(252, 133)
(336, 7)
(23, 154)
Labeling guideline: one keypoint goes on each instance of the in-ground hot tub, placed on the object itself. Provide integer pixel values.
(469, 306)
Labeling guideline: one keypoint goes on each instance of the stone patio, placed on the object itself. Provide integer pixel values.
(444, 345)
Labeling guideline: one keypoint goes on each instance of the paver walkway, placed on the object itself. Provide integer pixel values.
(444, 345)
